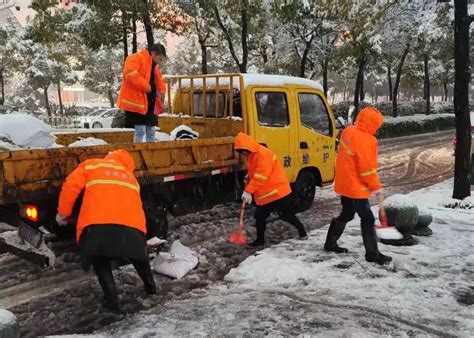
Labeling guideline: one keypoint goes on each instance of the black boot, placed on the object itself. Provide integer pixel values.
(372, 253)
(336, 228)
(144, 271)
(260, 241)
(110, 300)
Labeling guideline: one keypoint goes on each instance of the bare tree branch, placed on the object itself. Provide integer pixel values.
(227, 34)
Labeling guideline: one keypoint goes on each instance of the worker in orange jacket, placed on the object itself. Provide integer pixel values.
(268, 184)
(111, 222)
(356, 179)
(142, 87)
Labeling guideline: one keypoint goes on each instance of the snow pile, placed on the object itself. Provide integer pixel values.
(467, 203)
(87, 142)
(183, 132)
(160, 136)
(26, 131)
(8, 325)
(296, 288)
(399, 201)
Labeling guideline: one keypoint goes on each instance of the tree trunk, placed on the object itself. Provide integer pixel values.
(148, 26)
(325, 75)
(397, 81)
(445, 87)
(242, 67)
(110, 94)
(203, 57)
(134, 34)
(46, 101)
(389, 80)
(461, 100)
(2, 83)
(359, 84)
(304, 57)
(244, 38)
(61, 110)
(124, 35)
(426, 86)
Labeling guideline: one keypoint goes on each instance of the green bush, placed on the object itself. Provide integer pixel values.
(413, 125)
(403, 109)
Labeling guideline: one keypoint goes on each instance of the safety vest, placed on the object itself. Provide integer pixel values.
(111, 195)
(356, 165)
(267, 178)
(136, 82)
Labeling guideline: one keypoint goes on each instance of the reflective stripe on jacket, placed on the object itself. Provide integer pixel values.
(267, 178)
(356, 165)
(136, 82)
(111, 194)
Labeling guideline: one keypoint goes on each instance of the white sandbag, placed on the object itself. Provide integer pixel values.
(26, 131)
(184, 132)
(161, 137)
(87, 142)
(177, 262)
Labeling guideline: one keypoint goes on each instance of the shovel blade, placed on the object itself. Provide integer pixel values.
(238, 238)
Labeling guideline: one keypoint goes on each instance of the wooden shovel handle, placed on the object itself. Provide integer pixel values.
(242, 210)
(382, 214)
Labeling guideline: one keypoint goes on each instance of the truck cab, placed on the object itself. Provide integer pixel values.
(289, 115)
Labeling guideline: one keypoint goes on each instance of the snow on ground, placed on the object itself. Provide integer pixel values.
(296, 288)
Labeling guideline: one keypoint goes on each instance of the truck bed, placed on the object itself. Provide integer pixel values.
(27, 175)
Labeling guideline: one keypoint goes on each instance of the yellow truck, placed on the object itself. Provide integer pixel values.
(287, 114)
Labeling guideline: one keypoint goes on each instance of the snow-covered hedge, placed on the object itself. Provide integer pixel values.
(417, 124)
(403, 109)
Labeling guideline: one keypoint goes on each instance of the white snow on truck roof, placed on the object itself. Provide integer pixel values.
(255, 80)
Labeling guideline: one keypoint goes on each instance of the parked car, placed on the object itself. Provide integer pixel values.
(99, 118)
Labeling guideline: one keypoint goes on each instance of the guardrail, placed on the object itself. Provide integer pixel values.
(58, 121)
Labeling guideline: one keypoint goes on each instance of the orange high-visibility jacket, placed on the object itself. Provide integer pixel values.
(111, 193)
(356, 165)
(136, 82)
(267, 178)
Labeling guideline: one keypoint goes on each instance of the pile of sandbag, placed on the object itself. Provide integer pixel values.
(25, 131)
(177, 262)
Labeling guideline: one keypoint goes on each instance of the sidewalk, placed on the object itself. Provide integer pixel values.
(295, 288)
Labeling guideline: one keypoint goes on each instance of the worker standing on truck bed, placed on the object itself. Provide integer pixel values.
(356, 179)
(268, 184)
(111, 221)
(142, 87)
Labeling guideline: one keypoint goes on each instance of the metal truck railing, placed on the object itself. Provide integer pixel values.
(207, 96)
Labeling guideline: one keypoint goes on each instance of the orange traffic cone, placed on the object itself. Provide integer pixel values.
(239, 236)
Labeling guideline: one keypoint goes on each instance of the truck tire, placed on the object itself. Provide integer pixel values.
(304, 190)
(156, 221)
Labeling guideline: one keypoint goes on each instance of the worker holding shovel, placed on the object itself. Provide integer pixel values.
(268, 184)
(356, 178)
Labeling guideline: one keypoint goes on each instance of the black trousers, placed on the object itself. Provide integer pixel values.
(351, 206)
(103, 270)
(284, 208)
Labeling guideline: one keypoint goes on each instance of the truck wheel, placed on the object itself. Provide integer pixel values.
(156, 221)
(303, 191)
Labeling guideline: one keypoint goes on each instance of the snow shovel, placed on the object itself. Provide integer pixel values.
(239, 236)
(384, 230)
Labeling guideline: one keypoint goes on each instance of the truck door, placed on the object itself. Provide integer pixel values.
(273, 124)
(316, 142)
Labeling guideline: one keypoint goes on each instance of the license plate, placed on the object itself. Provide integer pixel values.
(31, 235)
